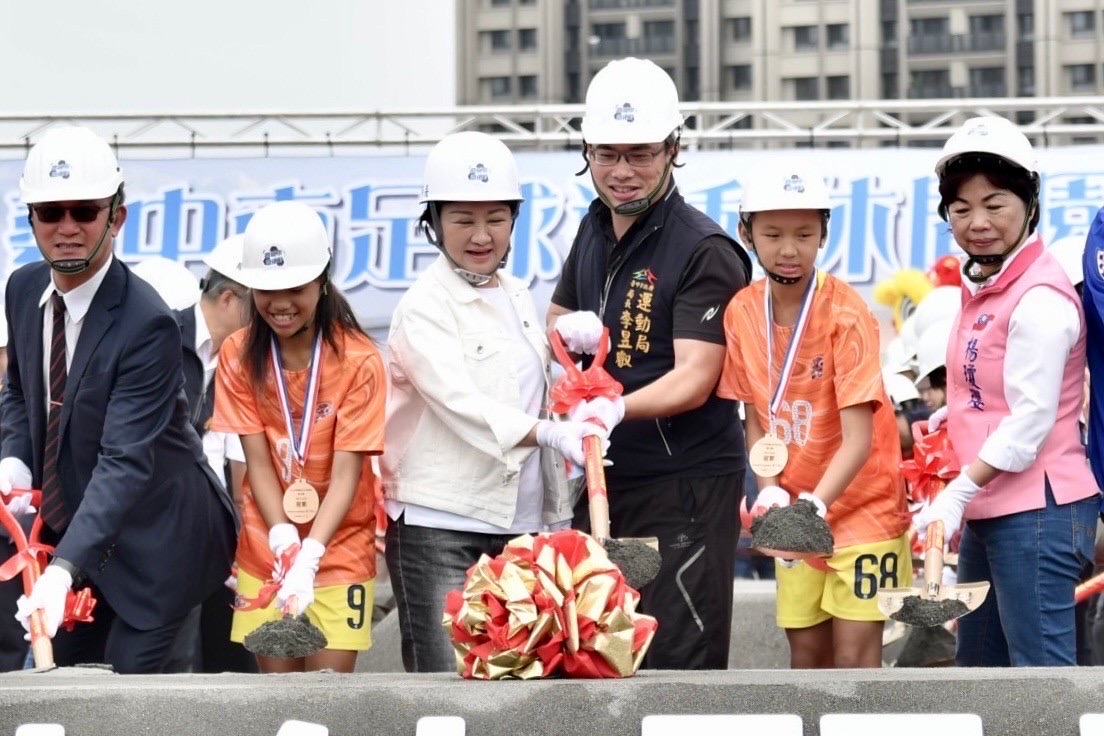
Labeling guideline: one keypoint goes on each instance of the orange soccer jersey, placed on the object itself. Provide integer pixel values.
(349, 417)
(837, 366)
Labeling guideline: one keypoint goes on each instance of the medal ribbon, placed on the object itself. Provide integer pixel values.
(791, 350)
(301, 441)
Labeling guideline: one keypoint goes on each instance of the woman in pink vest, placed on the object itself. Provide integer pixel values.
(1015, 367)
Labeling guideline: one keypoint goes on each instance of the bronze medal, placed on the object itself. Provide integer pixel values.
(768, 456)
(301, 502)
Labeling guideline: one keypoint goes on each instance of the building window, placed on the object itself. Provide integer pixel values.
(609, 31)
(889, 86)
(1081, 24)
(839, 88)
(986, 24)
(739, 78)
(1026, 86)
(800, 88)
(500, 3)
(527, 87)
(889, 33)
(1026, 22)
(495, 42)
(527, 2)
(497, 88)
(930, 83)
(805, 38)
(527, 39)
(739, 29)
(1082, 77)
(659, 36)
(987, 82)
(839, 35)
(929, 27)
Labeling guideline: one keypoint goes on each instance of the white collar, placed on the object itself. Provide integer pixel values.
(79, 299)
(202, 337)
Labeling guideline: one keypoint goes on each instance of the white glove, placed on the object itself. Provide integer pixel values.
(281, 537)
(567, 438)
(20, 505)
(768, 498)
(580, 331)
(607, 413)
(231, 581)
(936, 420)
(948, 507)
(820, 507)
(299, 581)
(14, 473)
(48, 594)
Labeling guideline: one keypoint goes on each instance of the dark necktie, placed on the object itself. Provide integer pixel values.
(53, 509)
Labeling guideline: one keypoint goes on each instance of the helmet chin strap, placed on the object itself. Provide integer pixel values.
(776, 277)
(636, 206)
(73, 266)
(992, 259)
(472, 277)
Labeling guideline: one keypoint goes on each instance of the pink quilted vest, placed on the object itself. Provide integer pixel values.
(975, 391)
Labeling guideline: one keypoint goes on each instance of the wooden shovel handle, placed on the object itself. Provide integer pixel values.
(597, 495)
(933, 560)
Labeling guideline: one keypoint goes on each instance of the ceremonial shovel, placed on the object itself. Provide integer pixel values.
(936, 603)
(638, 559)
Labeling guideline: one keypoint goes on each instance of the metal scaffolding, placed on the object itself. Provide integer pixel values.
(857, 124)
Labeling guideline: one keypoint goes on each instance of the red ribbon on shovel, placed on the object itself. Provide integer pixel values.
(29, 559)
(270, 587)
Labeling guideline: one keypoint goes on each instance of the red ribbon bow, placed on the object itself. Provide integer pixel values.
(576, 386)
(933, 463)
(271, 586)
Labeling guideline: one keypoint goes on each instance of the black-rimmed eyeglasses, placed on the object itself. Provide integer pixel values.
(636, 159)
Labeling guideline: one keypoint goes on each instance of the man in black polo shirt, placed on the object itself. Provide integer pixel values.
(659, 273)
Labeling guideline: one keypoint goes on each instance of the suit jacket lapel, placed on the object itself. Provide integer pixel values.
(97, 321)
(34, 389)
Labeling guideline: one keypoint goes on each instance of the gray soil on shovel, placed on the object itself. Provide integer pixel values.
(290, 637)
(794, 528)
(917, 611)
(638, 562)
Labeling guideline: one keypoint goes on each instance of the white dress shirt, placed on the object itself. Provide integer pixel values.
(1043, 328)
(77, 302)
(217, 446)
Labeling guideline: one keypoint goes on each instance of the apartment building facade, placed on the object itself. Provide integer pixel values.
(519, 52)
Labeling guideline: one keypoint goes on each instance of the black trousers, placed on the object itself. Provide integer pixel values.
(13, 649)
(697, 523)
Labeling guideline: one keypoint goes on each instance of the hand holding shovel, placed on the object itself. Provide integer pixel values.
(935, 604)
(638, 559)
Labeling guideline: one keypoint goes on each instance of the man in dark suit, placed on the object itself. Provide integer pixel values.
(93, 414)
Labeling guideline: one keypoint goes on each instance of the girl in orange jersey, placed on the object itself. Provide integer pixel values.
(304, 388)
(802, 353)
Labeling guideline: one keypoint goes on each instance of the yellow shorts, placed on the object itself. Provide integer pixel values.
(342, 612)
(808, 596)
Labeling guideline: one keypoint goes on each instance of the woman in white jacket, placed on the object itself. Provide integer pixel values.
(468, 361)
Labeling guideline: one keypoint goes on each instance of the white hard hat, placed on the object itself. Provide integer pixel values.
(630, 101)
(69, 163)
(285, 245)
(931, 350)
(940, 305)
(992, 135)
(170, 279)
(784, 188)
(1069, 251)
(898, 357)
(226, 257)
(899, 388)
(470, 167)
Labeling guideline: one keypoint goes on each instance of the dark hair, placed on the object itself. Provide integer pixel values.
(333, 316)
(999, 172)
(214, 284)
(938, 378)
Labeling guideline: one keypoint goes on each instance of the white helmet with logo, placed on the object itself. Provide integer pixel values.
(931, 352)
(940, 305)
(630, 101)
(171, 279)
(784, 188)
(226, 257)
(470, 167)
(1069, 251)
(285, 245)
(993, 135)
(69, 163)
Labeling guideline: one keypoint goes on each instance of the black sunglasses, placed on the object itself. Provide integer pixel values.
(52, 213)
